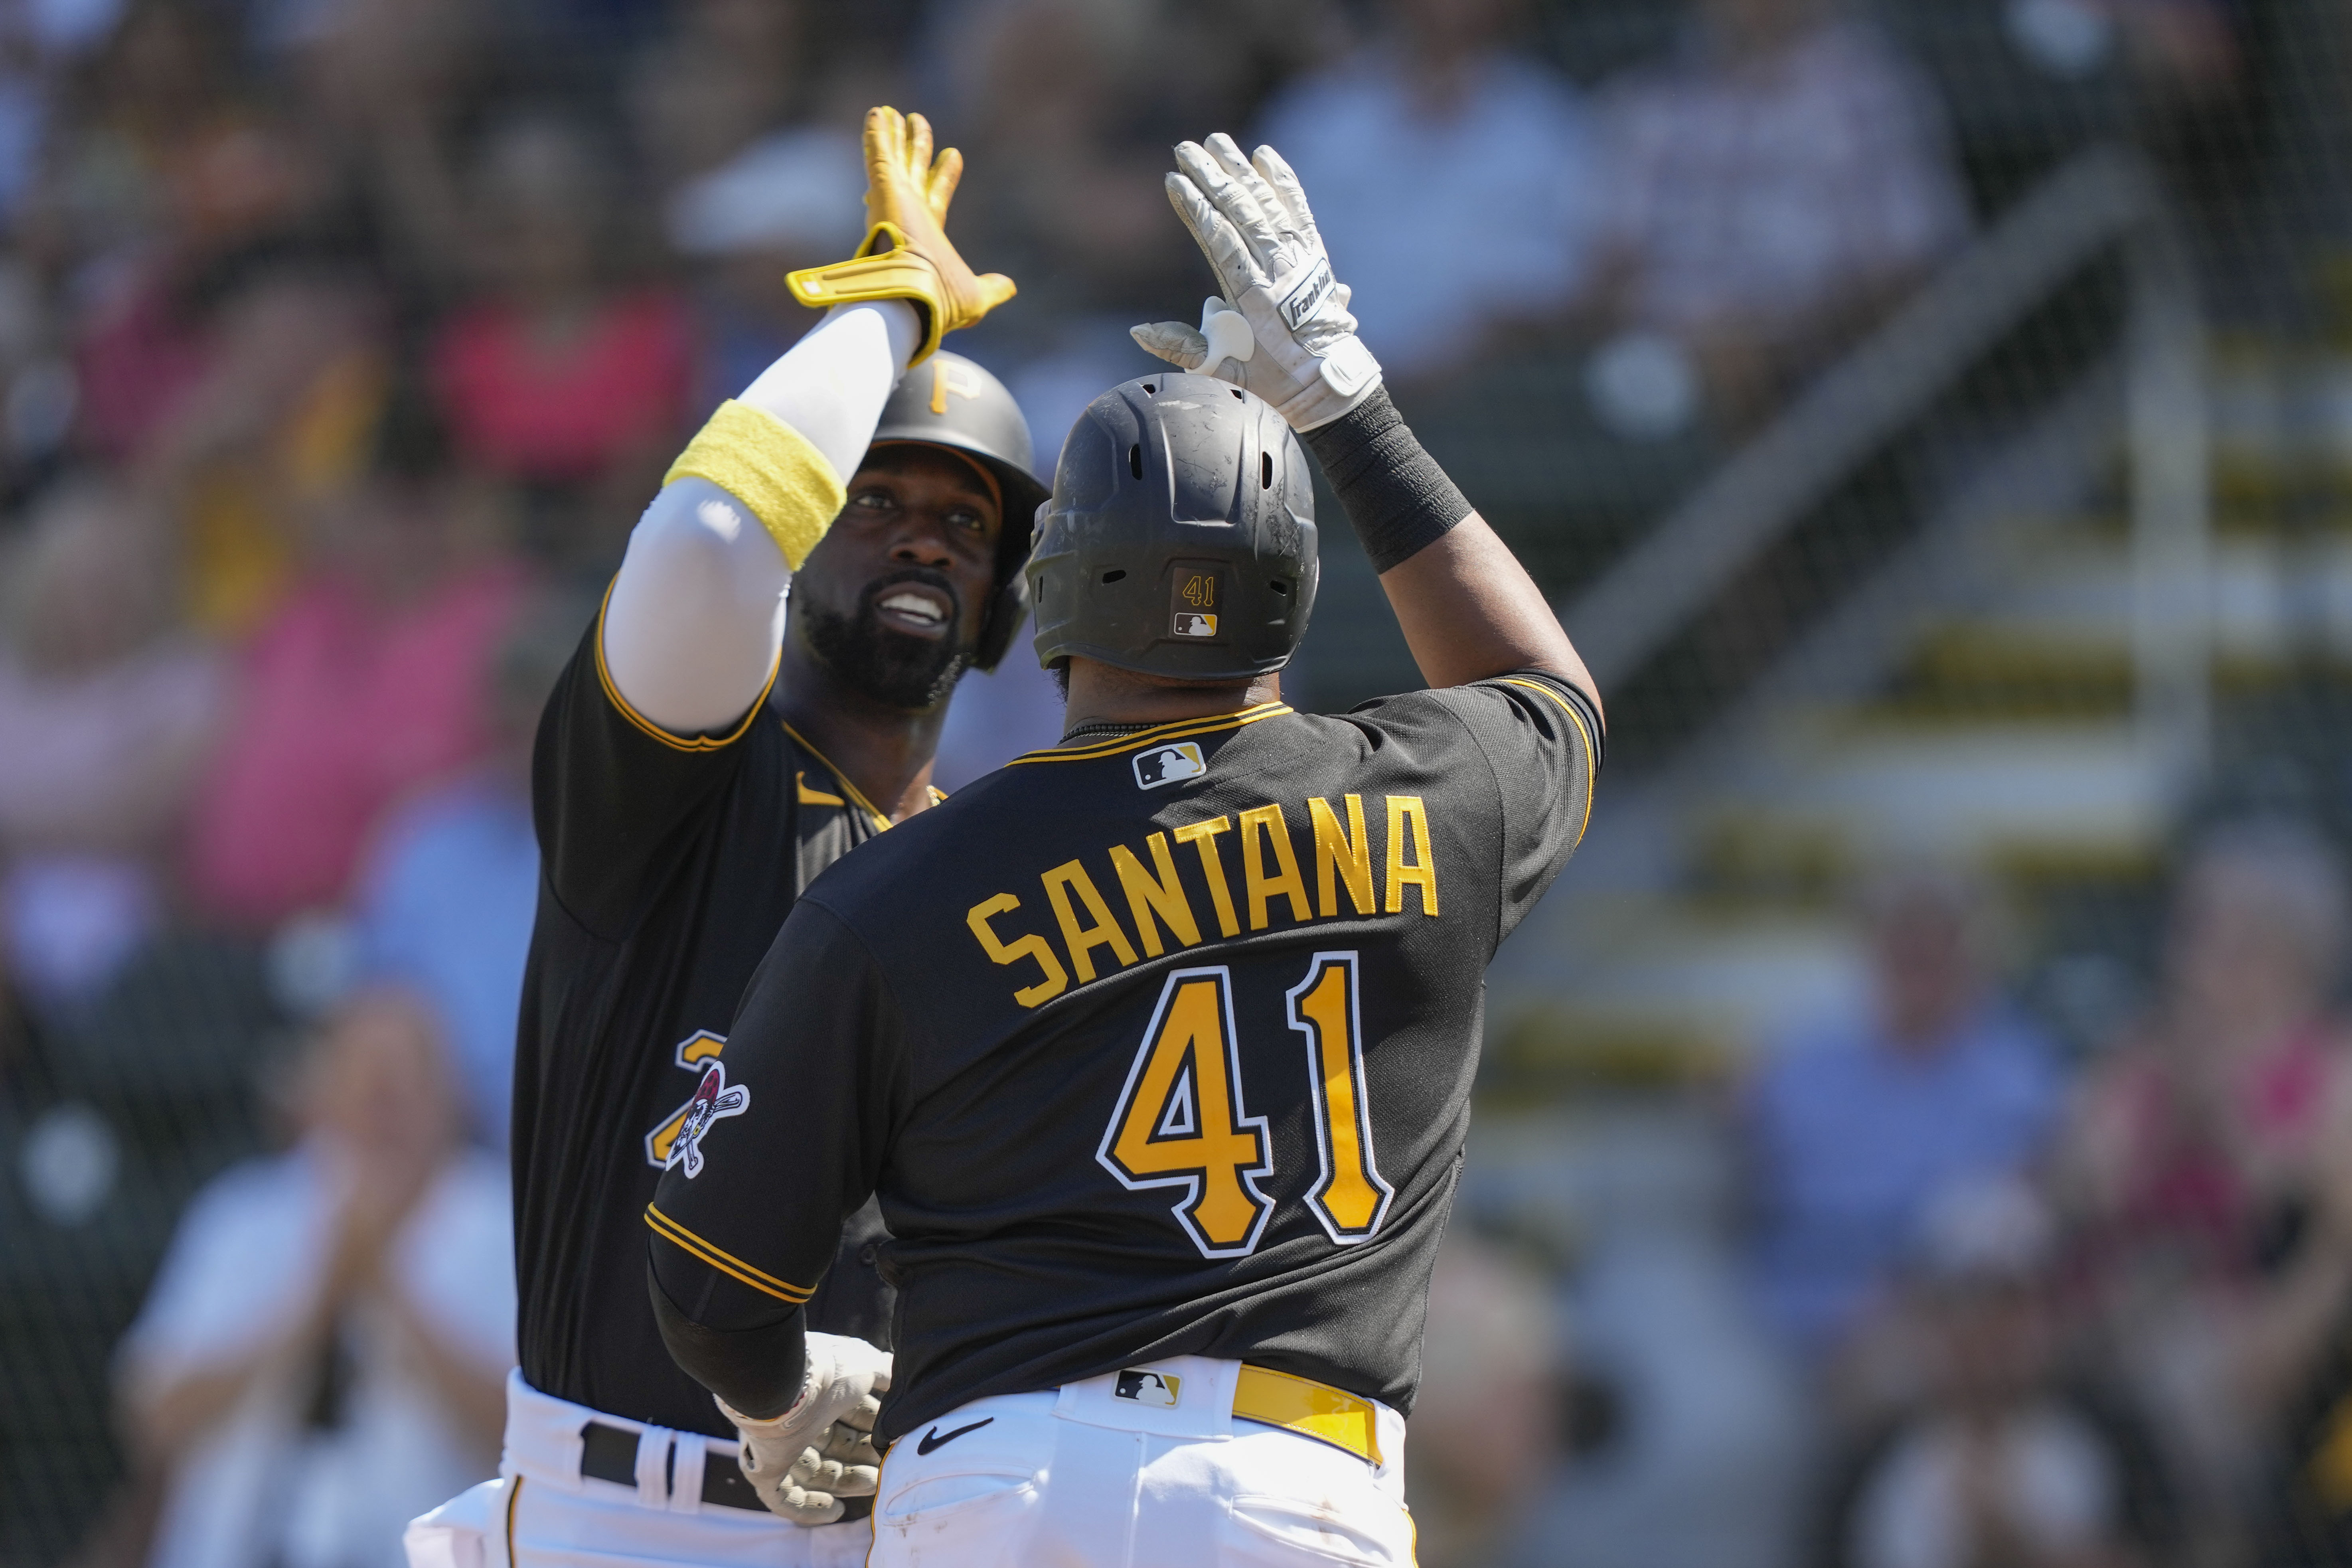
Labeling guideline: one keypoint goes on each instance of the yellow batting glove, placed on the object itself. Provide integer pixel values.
(907, 254)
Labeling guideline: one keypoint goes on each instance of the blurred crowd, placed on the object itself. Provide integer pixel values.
(2011, 1304)
(341, 344)
(341, 340)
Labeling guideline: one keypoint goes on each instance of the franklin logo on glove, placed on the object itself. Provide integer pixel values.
(1308, 296)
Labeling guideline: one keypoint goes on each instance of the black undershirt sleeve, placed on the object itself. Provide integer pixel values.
(1394, 493)
(758, 1371)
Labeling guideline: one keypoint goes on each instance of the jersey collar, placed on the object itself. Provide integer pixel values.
(1157, 734)
(881, 822)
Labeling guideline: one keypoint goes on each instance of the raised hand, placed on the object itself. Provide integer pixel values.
(1250, 219)
(907, 254)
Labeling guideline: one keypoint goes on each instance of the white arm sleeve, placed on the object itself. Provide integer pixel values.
(698, 611)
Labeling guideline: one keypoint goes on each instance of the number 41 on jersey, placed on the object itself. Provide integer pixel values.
(1181, 1121)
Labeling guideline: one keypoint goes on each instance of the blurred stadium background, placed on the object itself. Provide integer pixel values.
(1915, 1132)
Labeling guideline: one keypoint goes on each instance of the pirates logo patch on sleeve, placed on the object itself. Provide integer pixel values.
(712, 1099)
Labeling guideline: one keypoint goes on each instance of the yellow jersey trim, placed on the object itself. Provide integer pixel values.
(514, 1496)
(1310, 1408)
(727, 1263)
(674, 742)
(1584, 738)
(1177, 730)
(771, 467)
(881, 822)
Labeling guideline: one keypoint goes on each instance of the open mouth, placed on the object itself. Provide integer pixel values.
(911, 607)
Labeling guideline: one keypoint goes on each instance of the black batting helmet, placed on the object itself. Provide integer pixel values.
(1180, 538)
(948, 401)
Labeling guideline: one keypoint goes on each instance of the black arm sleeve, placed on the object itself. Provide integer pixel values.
(758, 1371)
(1397, 497)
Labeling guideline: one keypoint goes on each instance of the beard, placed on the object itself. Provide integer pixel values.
(884, 664)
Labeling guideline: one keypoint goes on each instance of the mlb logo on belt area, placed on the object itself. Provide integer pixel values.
(1150, 1388)
(1169, 764)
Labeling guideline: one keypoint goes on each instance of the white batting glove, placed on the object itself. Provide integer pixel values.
(803, 1462)
(1252, 221)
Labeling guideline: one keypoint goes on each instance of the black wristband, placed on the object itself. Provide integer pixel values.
(1397, 497)
(757, 1369)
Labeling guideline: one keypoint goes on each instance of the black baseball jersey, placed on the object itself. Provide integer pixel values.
(666, 865)
(1153, 1045)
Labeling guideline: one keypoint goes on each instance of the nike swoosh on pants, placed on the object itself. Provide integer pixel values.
(931, 1439)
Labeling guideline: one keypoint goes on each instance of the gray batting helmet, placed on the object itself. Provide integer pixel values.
(948, 401)
(1180, 538)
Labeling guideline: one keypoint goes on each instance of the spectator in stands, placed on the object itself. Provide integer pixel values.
(39, 48)
(1068, 108)
(2001, 1456)
(161, 83)
(231, 192)
(1433, 130)
(1064, 182)
(1771, 193)
(565, 380)
(366, 684)
(794, 199)
(1853, 1129)
(450, 890)
(322, 1356)
(227, 365)
(727, 72)
(1488, 1428)
(2209, 1162)
(383, 89)
(107, 708)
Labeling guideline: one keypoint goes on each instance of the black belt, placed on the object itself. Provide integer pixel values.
(610, 1454)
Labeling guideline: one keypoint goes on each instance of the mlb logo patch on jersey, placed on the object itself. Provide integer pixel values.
(1158, 1388)
(1169, 764)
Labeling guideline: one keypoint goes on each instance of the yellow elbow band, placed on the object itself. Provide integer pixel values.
(771, 467)
(882, 269)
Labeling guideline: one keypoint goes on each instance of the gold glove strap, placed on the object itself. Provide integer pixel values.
(882, 269)
(771, 467)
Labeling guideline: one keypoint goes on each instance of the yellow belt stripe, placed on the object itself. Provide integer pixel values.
(1311, 1409)
(726, 1263)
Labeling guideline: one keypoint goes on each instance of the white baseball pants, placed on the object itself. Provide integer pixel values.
(542, 1512)
(1087, 1477)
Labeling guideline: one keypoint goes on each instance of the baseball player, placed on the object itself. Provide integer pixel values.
(701, 762)
(1157, 1047)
